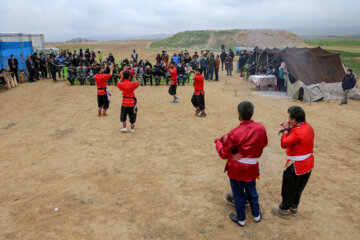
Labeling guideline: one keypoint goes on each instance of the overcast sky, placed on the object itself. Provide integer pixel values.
(62, 20)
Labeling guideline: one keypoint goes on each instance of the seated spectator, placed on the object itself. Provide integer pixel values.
(181, 73)
(147, 75)
(91, 71)
(116, 73)
(82, 74)
(71, 74)
(158, 73)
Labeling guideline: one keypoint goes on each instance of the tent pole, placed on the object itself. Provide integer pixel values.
(267, 61)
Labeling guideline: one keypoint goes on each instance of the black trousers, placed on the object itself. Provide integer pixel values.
(198, 101)
(216, 74)
(148, 79)
(15, 72)
(31, 74)
(292, 187)
(43, 72)
(36, 73)
(222, 65)
(280, 84)
(53, 75)
(125, 111)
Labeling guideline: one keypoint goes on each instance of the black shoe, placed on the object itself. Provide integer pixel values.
(197, 113)
(234, 218)
(203, 114)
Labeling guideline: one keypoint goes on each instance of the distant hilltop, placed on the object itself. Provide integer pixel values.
(76, 40)
(213, 39)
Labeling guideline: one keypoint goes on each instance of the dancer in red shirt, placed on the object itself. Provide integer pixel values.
(242, 147)
(129, 102)
(100, 78)
(298, 140)
(173, 76)
(198, 99)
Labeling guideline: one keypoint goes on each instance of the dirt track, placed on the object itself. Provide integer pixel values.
(166, 180)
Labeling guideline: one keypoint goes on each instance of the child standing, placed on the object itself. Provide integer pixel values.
(173, 76)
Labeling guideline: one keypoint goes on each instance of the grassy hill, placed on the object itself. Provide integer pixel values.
(213, 39)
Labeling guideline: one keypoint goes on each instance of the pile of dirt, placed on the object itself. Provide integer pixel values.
(213, 39)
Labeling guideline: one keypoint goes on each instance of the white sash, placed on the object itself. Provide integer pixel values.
(299, 158)
(251, 161)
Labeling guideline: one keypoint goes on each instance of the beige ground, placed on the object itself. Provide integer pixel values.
(166, 180)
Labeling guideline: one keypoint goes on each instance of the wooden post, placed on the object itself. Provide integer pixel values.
(267, 61)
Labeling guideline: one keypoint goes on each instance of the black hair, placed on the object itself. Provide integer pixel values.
(350, 70)
(199, 70)
(126, 75)
(297, 113)
(98, 69)
(11, 55)
(246, 110)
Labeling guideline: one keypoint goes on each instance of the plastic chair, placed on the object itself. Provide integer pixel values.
(64, 73)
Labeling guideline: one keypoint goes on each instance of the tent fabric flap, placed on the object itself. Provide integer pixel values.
(20, 50)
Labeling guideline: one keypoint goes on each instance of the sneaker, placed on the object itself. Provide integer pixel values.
(234, 218)
(281, 213)
(99, 113)
(132, 130)
(202, 114)
(258, 218)
(124, 129)
(197, 112)
(176, 100)
(105, 115)
(293, 211)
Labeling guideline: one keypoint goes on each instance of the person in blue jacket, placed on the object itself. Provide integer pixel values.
(348, 83)
(175, 59)
(203, 66)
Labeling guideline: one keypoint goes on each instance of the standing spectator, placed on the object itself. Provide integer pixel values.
(222, 57)
(217, 66)
(203, 66)
(53, 67)
(93, 55)
(60, 61)
(187, 58)
(229, 64)
(232, 55)
(81, 54)
(134, 56)
(348, 83)
(43, 66)
(30, 66)
(68, 61)
(100, 56)
(283, 75)
(158, 59)
(36, 60)
(175, 59)
(211, 66)
(195, 55)
(111, 58)
(165, 59)
(87, 55)
(14, 66)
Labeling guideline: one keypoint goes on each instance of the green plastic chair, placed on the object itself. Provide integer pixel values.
(64, 73)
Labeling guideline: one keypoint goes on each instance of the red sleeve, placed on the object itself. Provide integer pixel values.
(103, 77)
(288, 140)
(220, 149)
(136, 85)
(131, 72)
(118, 85)
(223, 145)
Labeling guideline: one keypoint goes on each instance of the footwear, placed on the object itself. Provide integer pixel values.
(258, 218)
(176, 100)
(105, 115)
(281, 213)
(124, 129)
(342, 103)
(197, 112)
(293, 211)
(132, 130)
(99, 113)
(203, 114)
(234, 218)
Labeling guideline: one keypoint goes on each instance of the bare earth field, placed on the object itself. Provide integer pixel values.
(166, 180)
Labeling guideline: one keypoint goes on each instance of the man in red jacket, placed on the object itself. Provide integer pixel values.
(298, 140)
(173, 76)
(242, 147)
(129, 102)
(198, 99)
(100, 78)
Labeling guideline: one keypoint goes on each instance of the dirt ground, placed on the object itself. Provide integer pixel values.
(166, 180)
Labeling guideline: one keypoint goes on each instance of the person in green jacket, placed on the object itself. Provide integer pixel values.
(100, 56)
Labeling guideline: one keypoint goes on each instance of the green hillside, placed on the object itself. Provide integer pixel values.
(213, 39)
